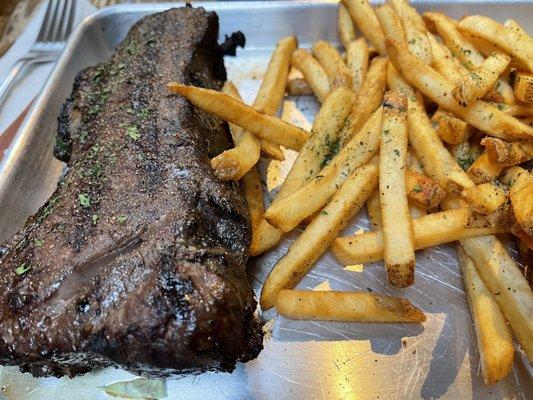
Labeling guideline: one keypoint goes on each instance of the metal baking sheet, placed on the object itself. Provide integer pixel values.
(301, 359)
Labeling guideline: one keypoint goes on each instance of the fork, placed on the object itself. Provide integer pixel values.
(55, 30)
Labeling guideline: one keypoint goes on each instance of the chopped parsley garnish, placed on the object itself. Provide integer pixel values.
(133, 133)
(323, 212)
(22, 269)
(417, 188)
(121, 219)
(85, 200)
(38, 242)
(95, 218)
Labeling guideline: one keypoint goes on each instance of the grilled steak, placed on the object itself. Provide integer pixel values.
(138, 259)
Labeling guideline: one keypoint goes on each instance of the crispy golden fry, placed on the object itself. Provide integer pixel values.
(510, 41)
(238, 113)
(507, 154)
(429, 230)
(515, 26)
(272, 151)
(272, 89)
(264, 235)
(520, 183)
(516, 110)
(369, 98)
(329, 58)
(346, 27)
(288, 212)
(523, 87)
(414, 166)
(390, 23)
(313, 73)
(397, 227)
(422, 191)
(474, 85)
(509, 287)
(322, 143)
(346, 306)
(482, 170)
(319, 234)
(495, 344)
(357, 58)
(373, 209)
(450, 128)
(298, 87)
(484, 198)
(415, 30)
(480, 114)
(467, 53)
(363, 16)
(487, 48)
(436, 160)
(444, 62)
(396, 82)
(232, 164)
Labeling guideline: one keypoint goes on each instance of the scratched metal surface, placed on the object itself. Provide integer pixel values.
(301, 359)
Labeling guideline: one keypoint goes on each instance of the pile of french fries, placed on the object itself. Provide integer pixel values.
(424, 119)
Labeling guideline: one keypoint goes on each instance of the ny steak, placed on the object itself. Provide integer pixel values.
(138, 258)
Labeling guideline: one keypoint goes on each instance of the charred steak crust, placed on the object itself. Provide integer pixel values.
(138, 259)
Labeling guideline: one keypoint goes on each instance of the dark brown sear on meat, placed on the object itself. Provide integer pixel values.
(138, 259)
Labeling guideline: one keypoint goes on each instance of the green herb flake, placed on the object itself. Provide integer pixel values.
(38, 242)
(417, 188)
(397, 152)
(85, 200)
(95, 218)
(323, 212)
(121, 219)
(22, 269)
(133, 133)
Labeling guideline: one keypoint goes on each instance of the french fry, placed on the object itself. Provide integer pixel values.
(232, 164)
(422, 191)
(482, 170)
(397, 227)
(515, 26)
(437, 161)
(238, 113)
(509, 287)
(357, 58)
(329, 58)
(363, 16)
(480, 114)
(484, 198)
(289, 211)
(415, 30)
(346, 306)
(444, 62)
(515, 110)
(298, 87)
(272, 89)
(520, 183)
(429, 230)
(373, 209)
(495, 344)
(507, 154)
(525, 242)
(390, 23)
(487, 48)
(467, 53)
(346, 27)
(508, 40)
(369, 98)
(319, 234)
(272, 151)
(474, 85)
(313, 73)
(264, 237)
(322, 143)
(396, 82)
(523, 87)
(414, 168)
(450, 128)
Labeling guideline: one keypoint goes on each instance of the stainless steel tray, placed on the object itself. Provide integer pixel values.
(301, 360)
